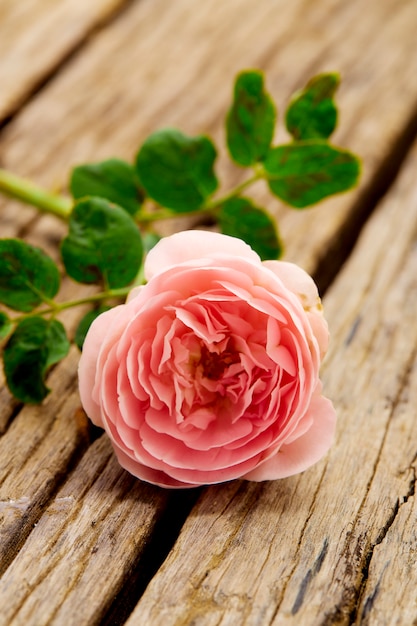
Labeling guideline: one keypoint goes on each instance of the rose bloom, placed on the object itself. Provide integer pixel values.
(210, 371)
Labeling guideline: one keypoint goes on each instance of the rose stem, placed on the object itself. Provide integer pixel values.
(29, 193)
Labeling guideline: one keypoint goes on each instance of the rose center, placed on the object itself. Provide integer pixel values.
(214, 365)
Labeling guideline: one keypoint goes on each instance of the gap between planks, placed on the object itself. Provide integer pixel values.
(355, 559)
(368, 200)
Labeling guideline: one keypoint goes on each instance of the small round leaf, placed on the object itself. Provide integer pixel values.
(27, 275)
(303, 173)
(114, 179)
(35, 345)
(250, 121)
(240, 218)
(103, 244)
(312, 112)
(177, 171)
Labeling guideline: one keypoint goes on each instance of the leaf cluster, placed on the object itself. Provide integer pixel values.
(103, 246)
(177, 173)
(116, 204)
(28, 278)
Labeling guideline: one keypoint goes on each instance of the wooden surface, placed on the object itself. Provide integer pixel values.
(82, 542)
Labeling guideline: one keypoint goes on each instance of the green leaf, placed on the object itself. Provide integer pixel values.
(312, 113)
(114, 180)
(251, 120)
(85, 324)
(177, 171)
(302, 174)
(5, 325)
(103, 243)
(35, 345)
(240, 218)
(27, 275)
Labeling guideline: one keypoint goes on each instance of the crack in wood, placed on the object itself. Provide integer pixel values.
(15, 534)
(353, 330)
(309, 577)
(384, 177)
(8, 414)
(285, 585)
(165, 533)
(368, 603)
(18, 535)
(346, 612)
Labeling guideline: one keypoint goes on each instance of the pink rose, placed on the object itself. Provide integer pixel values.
(210, 371)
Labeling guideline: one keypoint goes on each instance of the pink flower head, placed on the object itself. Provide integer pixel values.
(210, 371)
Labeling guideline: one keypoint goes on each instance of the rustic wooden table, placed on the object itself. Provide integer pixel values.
(82, 542)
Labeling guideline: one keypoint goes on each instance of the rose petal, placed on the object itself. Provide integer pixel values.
(296, 280)
(194, 245)
(300, 283)
(87, 368)
(303, 452)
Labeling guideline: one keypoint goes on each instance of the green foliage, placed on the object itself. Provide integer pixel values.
(114, 180)
(239, 217)
(27, 275)
(85, 324)
(35, 345)
(250, 121)
(103, 244)
(5, 325)
(303, 173)
(312, 113)
(114, 199)
(177, 171)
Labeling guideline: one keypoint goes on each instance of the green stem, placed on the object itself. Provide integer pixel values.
(57, 307)
(213, 205)
(97, 297)
(208, 208)
(60, 206)
(29, 193)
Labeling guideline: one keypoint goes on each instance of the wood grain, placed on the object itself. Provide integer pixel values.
(321, 548)
(35, 453)
(138, 75)
(36, 36)
(86, 545)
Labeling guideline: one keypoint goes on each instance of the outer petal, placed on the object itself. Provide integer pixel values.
(88, 362)
(300, 283)
(297, 456)
(296, 280)
(194, 245)
(155, 477)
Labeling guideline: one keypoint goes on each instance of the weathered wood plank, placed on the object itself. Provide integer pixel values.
(139, 75)
(35, 36)
(39, 446)
(84, 547)
(66, 123)
(35, 453)
(392, 568)
(298, 551)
